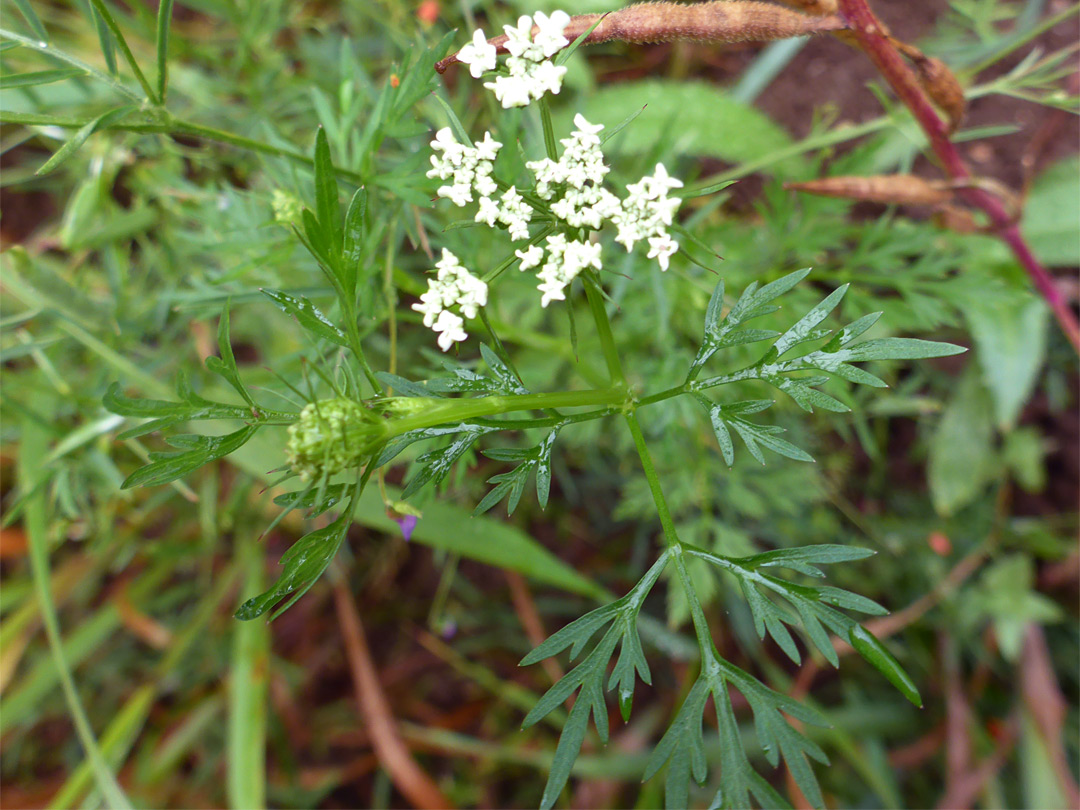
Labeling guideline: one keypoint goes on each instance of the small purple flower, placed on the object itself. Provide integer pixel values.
(407, 524)
(449, 629)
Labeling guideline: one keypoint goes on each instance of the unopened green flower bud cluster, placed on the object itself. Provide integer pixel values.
(331, 436)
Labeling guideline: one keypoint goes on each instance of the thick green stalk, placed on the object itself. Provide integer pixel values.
(460, 410)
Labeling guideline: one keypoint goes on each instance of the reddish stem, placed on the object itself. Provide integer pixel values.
(872, 38)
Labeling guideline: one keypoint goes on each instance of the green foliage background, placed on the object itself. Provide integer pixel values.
(160, 214)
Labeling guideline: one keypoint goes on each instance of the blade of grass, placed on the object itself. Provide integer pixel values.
(44, 47)
(32, 19)
(128, 722)
(164, 20)
(247, 694)
(108, 47)
(34, 441)
(129, 57)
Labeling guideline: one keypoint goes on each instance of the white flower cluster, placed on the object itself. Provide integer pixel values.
(570, 189)
(566, 259)
(467, 167)
(452, 286)
(646, 214)
(530, 71)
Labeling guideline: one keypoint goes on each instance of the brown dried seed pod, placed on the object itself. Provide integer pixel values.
(818, 7)
(904, 189)
(944, 89)
(938, 82)
(718, 21)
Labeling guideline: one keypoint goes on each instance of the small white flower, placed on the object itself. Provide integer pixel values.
(515, 214)
(472, 295)
(449, 327)
(580, 255)
(431, 305)
(588, 131)
(519, 37)
(511, 91)
(483, 183)
(552, 290)
(550, 37)
(479, 55)
(530, 257)
(547, 78)
(488, 149)
(488, 212)
(446, 143)
(660, 183)
(527, 81)
(662, 248)
(459, 194)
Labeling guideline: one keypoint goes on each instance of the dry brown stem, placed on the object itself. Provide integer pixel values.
(389, 746)
(904, 189)
(718, 21)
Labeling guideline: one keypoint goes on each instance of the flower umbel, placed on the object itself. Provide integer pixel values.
(452, 286)
(567, 191)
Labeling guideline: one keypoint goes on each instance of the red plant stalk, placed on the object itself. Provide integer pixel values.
(872, 38)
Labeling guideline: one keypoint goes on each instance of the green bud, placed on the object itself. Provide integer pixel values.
(331, 436)
(405, 406)
(287, 208)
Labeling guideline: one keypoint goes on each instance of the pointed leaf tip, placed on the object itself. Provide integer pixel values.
(869, 647)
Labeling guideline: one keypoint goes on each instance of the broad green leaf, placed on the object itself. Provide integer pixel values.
(315, 499)
(1051, 221)
(1010, 342)
(225, 365)
(699, 119)
(353, 240)
(326, 196)
(803, 329)
(900, 349)
(962, 459)
(308, 315)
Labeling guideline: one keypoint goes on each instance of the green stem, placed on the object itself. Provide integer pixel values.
(460, 410)
(675, 546)
(352, 331)
(220, 135)
(603, 329)
(666, 522)
(549, 130)
(547, 421)
(662, 395)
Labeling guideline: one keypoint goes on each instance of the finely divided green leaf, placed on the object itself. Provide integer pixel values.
(79, 138)
(166, 467)
(308, 315)
(304, 563)
(9, 81)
